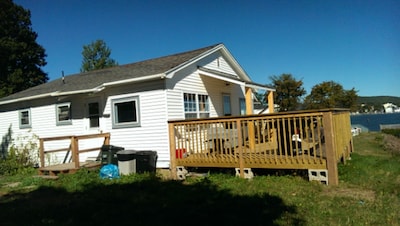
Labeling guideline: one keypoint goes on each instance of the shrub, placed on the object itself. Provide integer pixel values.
(22, 154)
(394, 132)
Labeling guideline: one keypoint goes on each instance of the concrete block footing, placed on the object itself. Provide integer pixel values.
(181, 172)
(248, 174)
(318, 175)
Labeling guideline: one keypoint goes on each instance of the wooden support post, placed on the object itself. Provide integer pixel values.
(172, 150)
(249, 101)
(75, 151)
(271, 107)
(250, 124)
(330, 144)
(41, 150)
(107, 139)
(241, 145)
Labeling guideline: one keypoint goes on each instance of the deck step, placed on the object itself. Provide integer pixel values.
(47, 177)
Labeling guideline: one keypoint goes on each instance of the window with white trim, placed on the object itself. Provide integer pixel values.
(25, 119)
(125, 112)
(63, 114)
(196, 105)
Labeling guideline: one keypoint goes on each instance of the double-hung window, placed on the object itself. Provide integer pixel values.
(94, 114)
(196, 105)
(125, 112)
(25, 119)
(63, 114)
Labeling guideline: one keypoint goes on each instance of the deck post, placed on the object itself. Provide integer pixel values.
(41, 152)
(241, 144)
(271, 108)
(107, 139)
(75, 151)
(331, 161)
(172, 147)
(249, 111)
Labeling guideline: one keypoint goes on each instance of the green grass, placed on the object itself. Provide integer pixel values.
(368, 194)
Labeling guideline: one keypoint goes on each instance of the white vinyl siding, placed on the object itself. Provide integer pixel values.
(153, 131)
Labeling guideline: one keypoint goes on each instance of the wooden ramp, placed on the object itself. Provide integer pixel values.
(54, 170)
(74, 151)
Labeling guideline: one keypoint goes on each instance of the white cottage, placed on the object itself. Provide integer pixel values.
(132, 102)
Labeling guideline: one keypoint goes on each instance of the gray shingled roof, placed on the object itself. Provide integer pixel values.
(93, 79)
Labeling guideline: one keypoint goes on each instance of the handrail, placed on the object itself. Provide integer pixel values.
(315, 139)
(73, 146)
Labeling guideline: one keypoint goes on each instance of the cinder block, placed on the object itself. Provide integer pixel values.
(181, 172)
(248, 174)
(318, 175)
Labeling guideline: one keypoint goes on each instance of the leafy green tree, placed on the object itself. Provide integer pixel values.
(331, 95)
(21, 57)
(96, 55)
(288, 91)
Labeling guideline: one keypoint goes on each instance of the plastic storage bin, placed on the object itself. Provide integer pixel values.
(109, 154)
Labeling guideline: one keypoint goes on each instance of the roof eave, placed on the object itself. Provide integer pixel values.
(83, 91)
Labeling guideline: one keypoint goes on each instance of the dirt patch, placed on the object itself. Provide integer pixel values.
(356, 193)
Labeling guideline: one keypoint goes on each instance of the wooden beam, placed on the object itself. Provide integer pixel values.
(331, 161)
(249, 111)
(41, 150)
(249, 101)
(75, 151)
(172, 150)
(271, 108)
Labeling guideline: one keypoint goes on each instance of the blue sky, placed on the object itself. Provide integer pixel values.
(354, 43)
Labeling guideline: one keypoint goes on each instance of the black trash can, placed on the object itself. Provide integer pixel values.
(146, 161)
(126, 162)
(109, 154)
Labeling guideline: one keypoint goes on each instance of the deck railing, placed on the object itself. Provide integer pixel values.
(72, 148)
(294, 140)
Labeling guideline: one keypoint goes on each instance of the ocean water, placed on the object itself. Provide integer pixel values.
(372, 121)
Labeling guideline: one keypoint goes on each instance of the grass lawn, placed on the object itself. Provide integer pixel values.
(368, 194)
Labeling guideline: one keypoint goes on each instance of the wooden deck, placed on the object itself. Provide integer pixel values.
(255, 160)
(313, 140)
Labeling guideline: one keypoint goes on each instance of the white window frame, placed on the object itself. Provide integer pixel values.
(196, 105)
(114, 110)
(25, 125)
(60, 122)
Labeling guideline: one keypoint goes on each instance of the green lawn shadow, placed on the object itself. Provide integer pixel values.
(147, 202)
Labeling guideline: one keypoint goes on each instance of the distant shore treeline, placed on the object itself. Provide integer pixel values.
(374, 103)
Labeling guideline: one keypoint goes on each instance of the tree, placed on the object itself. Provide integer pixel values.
(21, 57)
(96, 55)
(288, 91)
(331, 95)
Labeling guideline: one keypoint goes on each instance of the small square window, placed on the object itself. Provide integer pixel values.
(25, 118)
(63, 114)
(125, 112)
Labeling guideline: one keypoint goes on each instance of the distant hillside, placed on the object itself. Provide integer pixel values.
(374, 103)
(378, 100)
